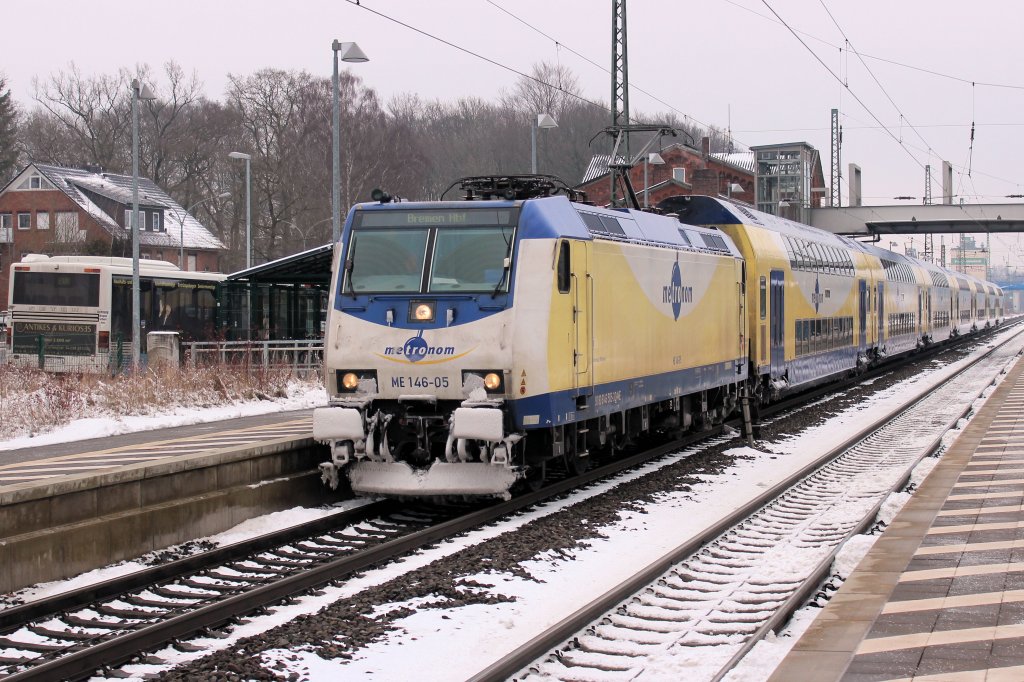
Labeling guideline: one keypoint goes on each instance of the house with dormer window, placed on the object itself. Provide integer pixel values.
(70, 211)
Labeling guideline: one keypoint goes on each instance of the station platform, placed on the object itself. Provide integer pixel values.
(39, 465)
(940, 596)
(73, 507)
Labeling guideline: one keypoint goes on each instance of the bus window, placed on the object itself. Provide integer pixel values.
(56, 288)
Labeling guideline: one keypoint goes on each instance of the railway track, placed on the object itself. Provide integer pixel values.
(95, 629)
(705, 604)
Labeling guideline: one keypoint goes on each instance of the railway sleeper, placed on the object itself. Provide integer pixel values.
(164, 605)
(603, 640)
(173, 594)
(347, 544)
(222, 589)
(9, 661)
(662, 625)
(37, 647)
(66, 635)
(603, 647)
(283, 563)
(130, 614)
(643, 637)
(255, 570)
(575, 659)
(80, 622)
(299, 555)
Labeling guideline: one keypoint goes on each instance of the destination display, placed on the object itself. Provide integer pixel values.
(59, 338)
(454, 218)
(125, 281)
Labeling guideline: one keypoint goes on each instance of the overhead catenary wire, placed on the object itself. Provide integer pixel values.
(903, 117)
(840, 80)
(938, 74)
(494, 62)
(560, 45)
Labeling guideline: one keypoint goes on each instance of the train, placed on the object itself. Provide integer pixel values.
(473, 346)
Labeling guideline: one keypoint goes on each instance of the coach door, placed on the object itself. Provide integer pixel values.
(920, 312)
(863, 303)
(777, 324)
(881, 313)
(583, 322)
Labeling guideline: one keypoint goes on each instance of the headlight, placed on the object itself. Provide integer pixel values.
(421, 311)
(352, 380)
(492, 380)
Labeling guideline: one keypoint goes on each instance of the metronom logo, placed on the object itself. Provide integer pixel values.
(675, 293)
(417, 348)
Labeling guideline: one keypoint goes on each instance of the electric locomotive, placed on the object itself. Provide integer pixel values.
(472, 344)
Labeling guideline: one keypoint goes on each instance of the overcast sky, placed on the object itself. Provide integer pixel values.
(716, 61)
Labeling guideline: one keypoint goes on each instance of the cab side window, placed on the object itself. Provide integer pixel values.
(563, 268)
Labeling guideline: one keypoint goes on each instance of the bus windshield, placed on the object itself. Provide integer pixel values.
(56, 288)
(459, 250)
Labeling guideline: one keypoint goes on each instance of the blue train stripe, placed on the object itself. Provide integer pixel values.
(559, 407)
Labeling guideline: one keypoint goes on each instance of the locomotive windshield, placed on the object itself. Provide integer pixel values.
(418, 251)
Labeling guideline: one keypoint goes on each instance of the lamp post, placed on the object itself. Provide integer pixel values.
(652, 158)
(543, 121)
(350, 52)
(181, 226)
(303, 233)
(248, 206)
(732, 187)
(139, 91)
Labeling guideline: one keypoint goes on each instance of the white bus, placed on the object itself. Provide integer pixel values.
(74, 313)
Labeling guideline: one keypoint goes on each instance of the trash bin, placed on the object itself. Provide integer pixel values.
(163, 349)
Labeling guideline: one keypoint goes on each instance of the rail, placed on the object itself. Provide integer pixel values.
(301, 355)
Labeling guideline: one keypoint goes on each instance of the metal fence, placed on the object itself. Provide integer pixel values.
(302, 356)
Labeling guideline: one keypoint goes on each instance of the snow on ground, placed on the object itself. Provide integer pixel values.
(436, 644)
(455, 643)
(300, 396)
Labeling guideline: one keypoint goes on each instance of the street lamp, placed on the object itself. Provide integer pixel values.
(248, 207)
(655, 158)
(181, 225)
(351, 53)
(543, 121)
(303, 233)
(139, 91)
(732, 187)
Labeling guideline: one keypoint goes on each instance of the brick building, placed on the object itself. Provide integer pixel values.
(68, 211)
(686, 171)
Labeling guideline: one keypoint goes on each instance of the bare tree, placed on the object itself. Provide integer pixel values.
(8, 132)
(95, 111)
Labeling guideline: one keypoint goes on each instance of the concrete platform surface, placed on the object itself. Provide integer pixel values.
(940, 596)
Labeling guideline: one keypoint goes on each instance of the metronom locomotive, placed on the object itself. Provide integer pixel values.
(471, 344)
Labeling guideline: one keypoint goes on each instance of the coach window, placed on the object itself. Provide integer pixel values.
(764, 297)
(563, 267)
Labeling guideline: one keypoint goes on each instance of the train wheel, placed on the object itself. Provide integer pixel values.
(534, 478)
(576, 465)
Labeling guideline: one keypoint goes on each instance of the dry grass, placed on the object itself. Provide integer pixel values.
(33, 401)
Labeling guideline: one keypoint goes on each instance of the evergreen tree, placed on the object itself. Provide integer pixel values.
(8, 151)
